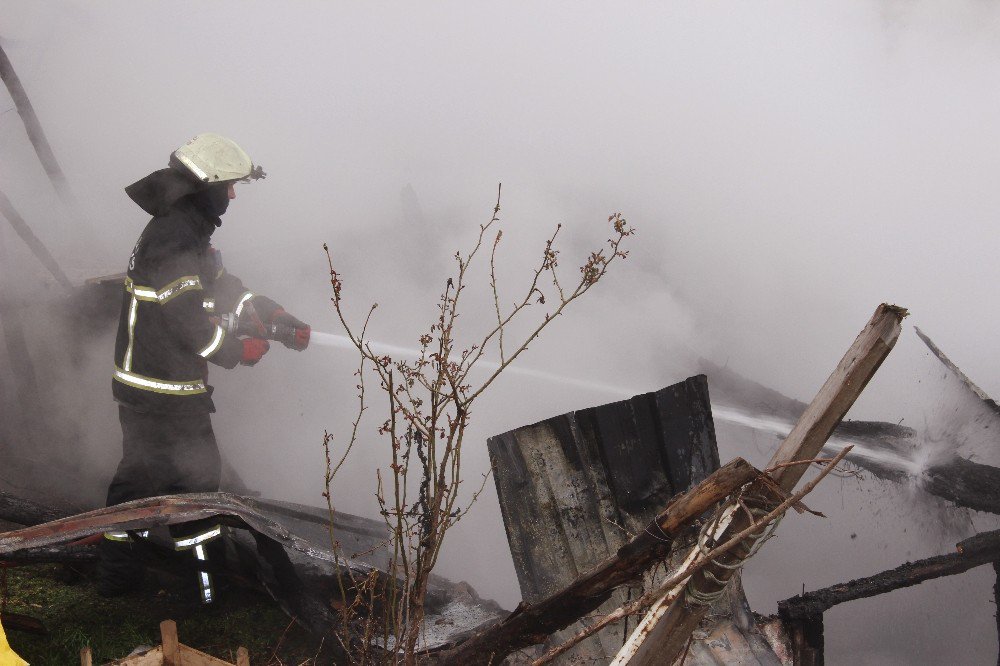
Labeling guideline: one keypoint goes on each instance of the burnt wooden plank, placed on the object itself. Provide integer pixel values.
(530, 624)
(573, 488)
(975, 551)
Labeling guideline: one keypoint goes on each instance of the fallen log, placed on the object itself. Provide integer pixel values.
(973, 552)
(531, 624)
(965, 483)
(25, 512)
(52, 555)
(666, 629)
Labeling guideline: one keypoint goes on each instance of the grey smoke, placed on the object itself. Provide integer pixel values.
(788, 168)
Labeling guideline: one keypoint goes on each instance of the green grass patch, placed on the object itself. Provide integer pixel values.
(76, 616)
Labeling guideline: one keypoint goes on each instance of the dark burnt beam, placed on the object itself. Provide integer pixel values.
(34, 129)
(965, 483)
(34, 244)
(531, 624)
(973, 552)
(25, 512)
(806, 638)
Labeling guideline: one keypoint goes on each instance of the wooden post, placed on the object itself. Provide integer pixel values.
(573, 487)
(664, 632)
(171, 651)
(530, 624)
(976, 551)
(86, 658)
(806, 636)
(835, 398)
(242, 657)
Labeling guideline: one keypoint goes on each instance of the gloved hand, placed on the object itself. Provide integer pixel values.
(253, 350)
(291, 332)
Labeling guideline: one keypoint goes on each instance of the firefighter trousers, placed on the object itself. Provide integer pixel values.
(162, 454)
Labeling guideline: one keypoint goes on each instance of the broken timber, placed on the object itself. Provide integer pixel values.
(963, 482)
(666, 629)
(34, 129)
(532, 623)
(573, 487)
(975, 551)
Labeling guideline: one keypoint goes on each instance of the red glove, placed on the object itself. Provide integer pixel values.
(291, 332)
(253, 350)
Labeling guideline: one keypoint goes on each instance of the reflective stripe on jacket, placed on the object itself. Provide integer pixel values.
(166, 333)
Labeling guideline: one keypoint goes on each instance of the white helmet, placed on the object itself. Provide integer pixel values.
(215, 159)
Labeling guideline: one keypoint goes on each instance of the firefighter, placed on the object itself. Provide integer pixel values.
(181, 311)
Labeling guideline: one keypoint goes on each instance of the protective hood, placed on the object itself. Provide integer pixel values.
(159, 191)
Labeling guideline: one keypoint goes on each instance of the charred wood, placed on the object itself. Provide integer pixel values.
(34, 129)
(52, 555)
(806, 637)
(666, 628)
(574, 487)
(25, 512)
(33, 242)
(965, 483)
(973, 552)
(531, 624)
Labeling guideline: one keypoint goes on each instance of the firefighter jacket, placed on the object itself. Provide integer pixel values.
(175, 284)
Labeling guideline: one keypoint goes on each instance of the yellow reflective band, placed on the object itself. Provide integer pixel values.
(216, 342)
(134, 380)
(204, 578)
(209, 304)
(184, 544)
(175, 288)
(178, 287)
(206, 587)
(243, 299)
(132, 308)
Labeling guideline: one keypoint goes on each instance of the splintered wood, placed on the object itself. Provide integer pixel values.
(663, 634)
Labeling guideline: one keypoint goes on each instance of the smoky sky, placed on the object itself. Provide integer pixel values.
(788, 167)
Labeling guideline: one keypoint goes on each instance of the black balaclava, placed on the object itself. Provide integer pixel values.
(213, 199)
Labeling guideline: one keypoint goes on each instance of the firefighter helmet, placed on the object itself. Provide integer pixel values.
(215, 159)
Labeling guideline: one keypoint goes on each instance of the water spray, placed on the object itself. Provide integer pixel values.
(894, 460)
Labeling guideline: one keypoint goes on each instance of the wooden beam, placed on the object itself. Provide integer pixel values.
(838, 394)
(531, 624)
(171, 650)
(34, 129)
(664, 632)
(966, 483)
(973, 552)
(34, 244)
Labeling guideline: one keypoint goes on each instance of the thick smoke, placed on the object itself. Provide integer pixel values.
(788, 168)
